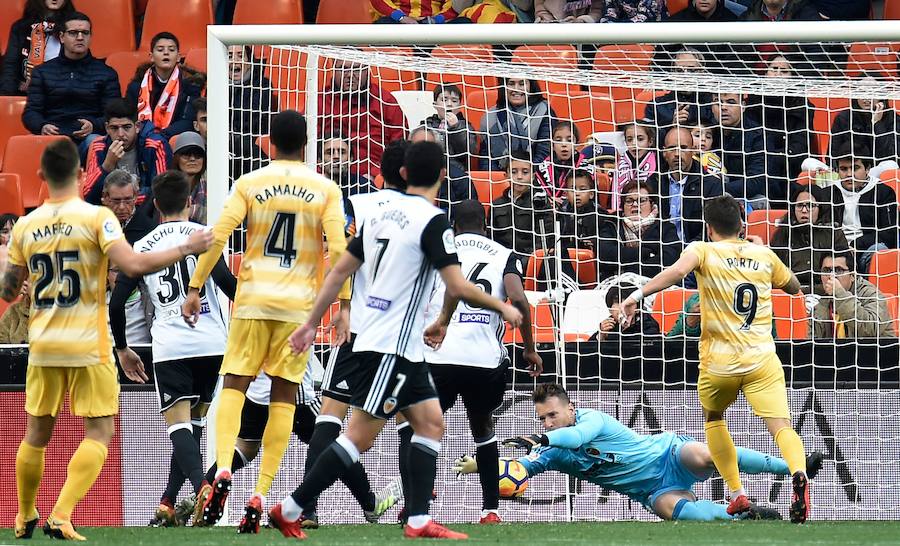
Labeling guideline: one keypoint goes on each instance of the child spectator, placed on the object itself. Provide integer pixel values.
(520, 120)
(610, 328)
(189, 157)
(518, 221)
(160, 89)
(457, 131)
(7, 221)
(580, 216)
(708, 153)
(551, 173)
(640, 162)
(33, 40)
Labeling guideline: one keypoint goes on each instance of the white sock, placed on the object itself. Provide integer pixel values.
(484, 513)
(417, 522)
(738, 493)
(290, 509)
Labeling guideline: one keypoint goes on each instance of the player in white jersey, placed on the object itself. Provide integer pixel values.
(401, 246)
(186, 360)
(472, 361)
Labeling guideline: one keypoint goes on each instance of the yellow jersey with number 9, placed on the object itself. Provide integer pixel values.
(63, 245)
(735, 280)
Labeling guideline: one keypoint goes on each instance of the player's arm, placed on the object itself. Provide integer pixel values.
(333, 224)
(669, 276)
(589, 426)
(131, 363)
(224, 279)
(137, 264)
(535, 463)
(12, 263)
(515, 291)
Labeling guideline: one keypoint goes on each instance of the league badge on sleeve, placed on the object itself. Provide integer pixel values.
(449, 242)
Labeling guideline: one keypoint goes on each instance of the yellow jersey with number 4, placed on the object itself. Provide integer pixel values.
(63, 245)
(735, 280)
(287, 207)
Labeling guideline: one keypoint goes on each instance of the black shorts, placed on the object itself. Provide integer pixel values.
(255, 416)
(340, 372)
(191, 379)
(481, 389)
(385, 384)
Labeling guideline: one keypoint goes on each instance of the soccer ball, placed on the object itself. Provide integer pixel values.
(513, 478)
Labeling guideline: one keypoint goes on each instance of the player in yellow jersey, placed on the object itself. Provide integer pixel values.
(737, 352)
(64, 248)
(287, 207)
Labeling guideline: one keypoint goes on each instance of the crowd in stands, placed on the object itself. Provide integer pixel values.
(632, 208)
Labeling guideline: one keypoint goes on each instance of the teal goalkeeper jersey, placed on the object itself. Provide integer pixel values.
(601, 450)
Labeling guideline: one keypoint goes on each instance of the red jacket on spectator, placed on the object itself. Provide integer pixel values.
(370, 120)
(415, 8)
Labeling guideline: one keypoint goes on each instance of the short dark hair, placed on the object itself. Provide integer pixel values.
(844, 253)
(468, 216)
(288, 132)
(549, 390)
(560, 123)
(423, 162)
(7, 218)
(170, 192)
(391, 160)
(447, 88)
(120, 108)
(199, 105)
(60, 162)
(852, 151)
(580, 173)
(164, 36)
(723, 214)
(635, 186)
(74, 16)
(516, 155)
(617, 293)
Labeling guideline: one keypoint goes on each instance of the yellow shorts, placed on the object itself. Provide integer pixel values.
(763, 387)
(93, 390)
(255, 345)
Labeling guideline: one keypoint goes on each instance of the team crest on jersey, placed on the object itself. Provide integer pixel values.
(389, 405)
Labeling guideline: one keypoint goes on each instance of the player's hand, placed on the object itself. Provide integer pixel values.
(756, 240)
(190, 309)
(340, 328)
(86, 128)
(434, 335)
(527, 441)
(132, 365)
(465, 465)
(535, 364)
(629, 309)
(512, 315)
(199, 241)
(302, 338)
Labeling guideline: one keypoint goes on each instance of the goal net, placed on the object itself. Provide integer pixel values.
(604, 155)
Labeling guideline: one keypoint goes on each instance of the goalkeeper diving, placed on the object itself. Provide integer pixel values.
(656, 470)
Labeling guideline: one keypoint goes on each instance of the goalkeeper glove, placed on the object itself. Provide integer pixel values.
(465, 465)
(527, 441)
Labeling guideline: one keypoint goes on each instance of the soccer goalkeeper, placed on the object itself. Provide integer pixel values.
(657, 470)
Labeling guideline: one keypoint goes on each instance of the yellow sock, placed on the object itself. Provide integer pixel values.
(274, 443)
(29, 471)
(724, 455)
(228, 424)
(84, 467)
(792, 449)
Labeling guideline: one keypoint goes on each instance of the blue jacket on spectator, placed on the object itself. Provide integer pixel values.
(697, 188)
(661, 112)
(744, 158)
(63, 90)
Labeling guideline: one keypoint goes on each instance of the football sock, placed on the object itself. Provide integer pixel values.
(751, 461)
(174, 483)
(357, 482)
(327, 429)
(423, 453)
(187, 453)
(329, 467)
(724, 455)
(29, 471)
(82, 472)
(486, 455)
(405, 431)
(792, 449)
(701, 510)
(274, 443)
(238, 461)
(228, 424)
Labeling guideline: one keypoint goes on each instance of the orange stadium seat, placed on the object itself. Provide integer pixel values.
(826, 109)
(343, 12)
(113, 26)
(489, 185)
(555, 56)
(591, 112)
(582, 262)
(874, 58)
(196, 58)
(542, 325)
(668, 306)
(10, 195)
(468, 82)
(10, 12)
(126, 63)
(892, 9)
(186, 19)
(392, 79)
(270, 12)
(10, 120)
(478, 101)
(23, 157)
(764, 222)
(624, 57)
(893, 304)
(675, 6)
(791, 318)
(884, 271)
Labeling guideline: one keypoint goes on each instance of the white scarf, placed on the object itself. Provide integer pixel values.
(635, 226)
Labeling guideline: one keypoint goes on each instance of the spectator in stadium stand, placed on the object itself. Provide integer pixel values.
(336, 157)
(456, 185)
(843, 10)
(683, 186)
(414, 12)
(129, 145)
(872, 122)
(67, 94)
(568, 11)
(640, 162)
(162, 90)
(458, 133)
(33, 40)
(688, 322)
(551, 173)
(610, 327)
(199, 106)
(634, 11)
(580, 216)
(680, 107)
(638, 240)
(520, 120)
(705, 136)
(250, 97)
(189, 157)
(702, 11)
(867, 208)
(120, 191)
(805, 233)
(782, 10)
(519, 217)
(743, 151)
(496, 11)
(14, 321)
(354, 106)
(852, 307)
(7, 221)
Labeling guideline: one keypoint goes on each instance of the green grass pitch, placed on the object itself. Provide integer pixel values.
(630, 533)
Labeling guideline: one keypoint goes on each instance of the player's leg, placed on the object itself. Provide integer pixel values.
(696, 458)
(277, 433)
(184, 446)
(683, 506)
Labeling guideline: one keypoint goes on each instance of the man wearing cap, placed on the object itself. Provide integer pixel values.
(190, 158)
